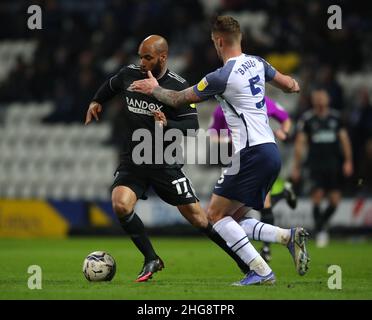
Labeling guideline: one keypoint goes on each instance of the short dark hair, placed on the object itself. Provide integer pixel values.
(226, 25)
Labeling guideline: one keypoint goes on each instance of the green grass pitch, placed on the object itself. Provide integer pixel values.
(195, 268)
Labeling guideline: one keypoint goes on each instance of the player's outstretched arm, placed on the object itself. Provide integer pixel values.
(93, 110)
(171, 98)
(285, 83)
(175, 98)
(106, 92)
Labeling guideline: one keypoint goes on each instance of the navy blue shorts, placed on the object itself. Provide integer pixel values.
(259, 167)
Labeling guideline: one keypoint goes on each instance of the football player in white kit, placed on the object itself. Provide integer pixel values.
(239, 86)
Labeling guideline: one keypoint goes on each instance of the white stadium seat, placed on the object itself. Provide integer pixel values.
(52, 161)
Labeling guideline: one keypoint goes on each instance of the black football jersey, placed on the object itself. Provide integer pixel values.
(137, 111)
(323, 139)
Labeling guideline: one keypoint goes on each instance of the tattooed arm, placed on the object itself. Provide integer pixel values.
(171, 98)
(175, 98)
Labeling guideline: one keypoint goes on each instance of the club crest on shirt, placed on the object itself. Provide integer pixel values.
(203, 83)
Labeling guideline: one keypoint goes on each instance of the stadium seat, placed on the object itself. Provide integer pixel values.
(53, 161)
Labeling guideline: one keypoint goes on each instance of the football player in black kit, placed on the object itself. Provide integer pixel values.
(168, 180)
(329, 158)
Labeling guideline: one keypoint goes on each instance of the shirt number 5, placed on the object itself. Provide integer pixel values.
(252, 81)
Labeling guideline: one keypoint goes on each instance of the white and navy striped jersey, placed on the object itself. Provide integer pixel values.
(239, 86)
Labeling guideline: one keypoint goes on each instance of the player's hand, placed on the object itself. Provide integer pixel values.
(348, 168)
(160, 116)
(296, 87)
(93, 110)
(296, 174)
(293, 87)
(281, 135)
(145, 86)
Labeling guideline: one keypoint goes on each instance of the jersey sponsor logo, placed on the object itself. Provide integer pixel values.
(193, 105)
(203, 83)
(142, 106)
(324, 136)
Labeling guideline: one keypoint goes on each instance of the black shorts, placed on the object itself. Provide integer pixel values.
(327, 180)
(170, 184)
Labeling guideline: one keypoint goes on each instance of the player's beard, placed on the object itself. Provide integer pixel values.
(156, 70)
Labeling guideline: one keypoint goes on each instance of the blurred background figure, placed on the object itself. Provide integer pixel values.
(329, 159)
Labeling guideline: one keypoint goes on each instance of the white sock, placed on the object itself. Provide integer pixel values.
(260, 266)
(257, 230)
(237, 240)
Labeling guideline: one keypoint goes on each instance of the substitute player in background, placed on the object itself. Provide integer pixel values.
(329, 158)
(240, 88)
(278, 113)
(132, 180)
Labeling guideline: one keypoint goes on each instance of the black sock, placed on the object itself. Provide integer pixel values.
(266, 245)
(217, 239)
(317, 218)
(133, 226)
(267, 217)
(328, 214)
